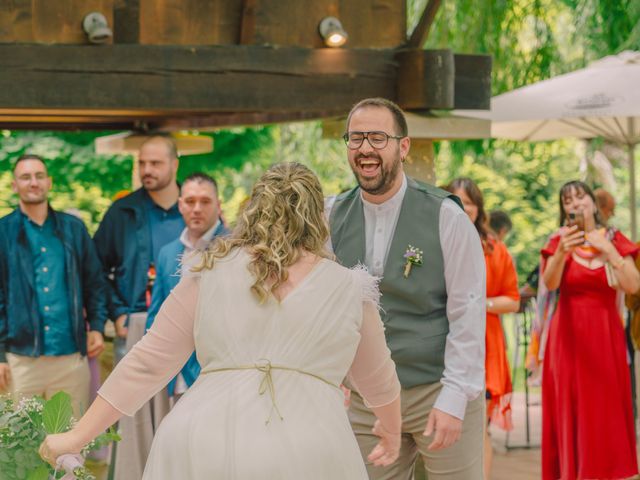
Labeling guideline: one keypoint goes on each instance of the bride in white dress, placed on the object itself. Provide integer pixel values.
(277, 326)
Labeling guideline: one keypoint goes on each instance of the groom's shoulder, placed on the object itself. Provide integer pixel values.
(347, 195)
(431, 192)
(427, 189)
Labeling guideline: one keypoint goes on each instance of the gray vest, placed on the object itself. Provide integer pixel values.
(413, 308)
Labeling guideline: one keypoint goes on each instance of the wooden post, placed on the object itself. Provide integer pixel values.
(135, 173)
(420, 163)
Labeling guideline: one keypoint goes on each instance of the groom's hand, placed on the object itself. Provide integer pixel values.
(447, 429)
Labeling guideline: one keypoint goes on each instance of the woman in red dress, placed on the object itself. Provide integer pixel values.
(502, 297)
(587, 424)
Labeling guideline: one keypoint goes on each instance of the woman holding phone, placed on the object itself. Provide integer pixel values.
(587, 429)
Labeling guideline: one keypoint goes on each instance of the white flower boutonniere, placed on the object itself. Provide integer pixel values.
(413, 256)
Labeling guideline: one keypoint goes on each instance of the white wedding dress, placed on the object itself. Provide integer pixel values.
(240, 420)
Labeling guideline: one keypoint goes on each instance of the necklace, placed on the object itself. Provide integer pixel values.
(588, 251)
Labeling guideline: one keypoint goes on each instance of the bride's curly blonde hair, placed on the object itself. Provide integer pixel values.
(283, 218)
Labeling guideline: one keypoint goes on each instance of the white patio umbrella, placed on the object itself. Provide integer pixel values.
(602, 100)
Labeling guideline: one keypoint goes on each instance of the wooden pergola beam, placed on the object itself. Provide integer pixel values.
(172, 87)
(421, 32)
(234, 78)
(248, 22)
(126, 21)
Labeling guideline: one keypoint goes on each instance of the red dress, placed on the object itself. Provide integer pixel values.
(587, 417)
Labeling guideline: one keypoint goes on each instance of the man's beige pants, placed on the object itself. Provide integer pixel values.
(461, 461)
(137, 432)
(47, 375)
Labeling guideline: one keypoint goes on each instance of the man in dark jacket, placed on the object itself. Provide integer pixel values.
(50, 275)
(128, 241)
(133, 231)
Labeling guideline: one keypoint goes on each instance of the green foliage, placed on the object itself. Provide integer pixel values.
(23, 427)
(57, 413)
(523, 182)
(21, 434)
(607, 25)
(70, 158)
(40, 473)
(232, 148)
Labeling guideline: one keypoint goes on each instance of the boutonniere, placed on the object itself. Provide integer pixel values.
(413, 256)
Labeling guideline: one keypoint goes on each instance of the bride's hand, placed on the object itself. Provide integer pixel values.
(388, 448)
(58, 444)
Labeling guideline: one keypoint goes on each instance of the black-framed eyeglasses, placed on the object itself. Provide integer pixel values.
(377, 140)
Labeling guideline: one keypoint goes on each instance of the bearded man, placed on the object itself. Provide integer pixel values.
(422, 245)
(128, 241)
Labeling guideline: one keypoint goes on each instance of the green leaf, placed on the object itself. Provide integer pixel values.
(57, 413)
(40, 473)
(21, 472)
(105, 438)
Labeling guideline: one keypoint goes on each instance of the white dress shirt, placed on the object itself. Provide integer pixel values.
(380, 222)
(463, 378)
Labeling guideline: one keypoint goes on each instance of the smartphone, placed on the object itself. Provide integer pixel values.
(576, 218)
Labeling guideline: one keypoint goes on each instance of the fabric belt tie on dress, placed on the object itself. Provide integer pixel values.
(267, 385)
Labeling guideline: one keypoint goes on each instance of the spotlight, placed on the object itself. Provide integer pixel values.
(332, 32)
(95, 26)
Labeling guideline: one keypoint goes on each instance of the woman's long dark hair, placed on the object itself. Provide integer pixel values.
(474, 193)
(565, 191)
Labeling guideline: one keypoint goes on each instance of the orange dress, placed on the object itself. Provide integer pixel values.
(502, 280)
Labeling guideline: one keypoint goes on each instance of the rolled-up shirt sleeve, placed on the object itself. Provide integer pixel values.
(464, 270)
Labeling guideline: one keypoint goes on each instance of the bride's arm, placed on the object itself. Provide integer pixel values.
(98, 418)
(373, 374)
(150, 364)
(159, 356)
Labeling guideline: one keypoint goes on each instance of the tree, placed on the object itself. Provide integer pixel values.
(531, 41)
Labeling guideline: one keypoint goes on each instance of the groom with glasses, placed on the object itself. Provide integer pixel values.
(420, 242)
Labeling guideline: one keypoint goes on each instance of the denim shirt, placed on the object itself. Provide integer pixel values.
(21, 325)
(52, 293)
(164, 225)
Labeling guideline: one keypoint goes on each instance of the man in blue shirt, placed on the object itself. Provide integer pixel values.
(199, 205)
(50, 275)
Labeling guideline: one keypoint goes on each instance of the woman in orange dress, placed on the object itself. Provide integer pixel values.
(502, 297)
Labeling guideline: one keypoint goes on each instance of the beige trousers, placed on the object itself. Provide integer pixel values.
(461, 461)
(137, 432)
(47, 375)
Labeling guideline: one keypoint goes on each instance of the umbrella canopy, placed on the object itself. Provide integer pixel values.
(602, 100)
